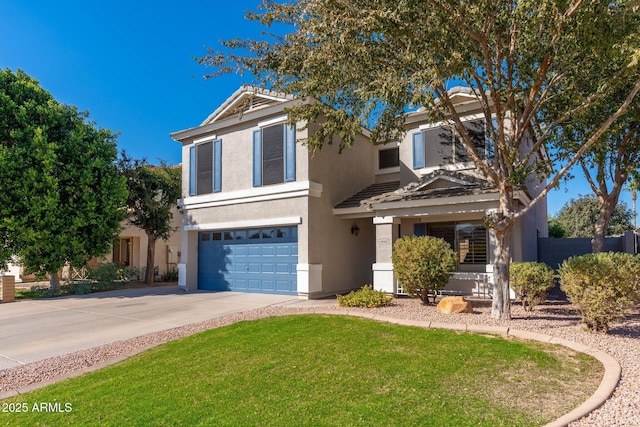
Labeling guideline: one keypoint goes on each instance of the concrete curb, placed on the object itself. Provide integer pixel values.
(610, 379)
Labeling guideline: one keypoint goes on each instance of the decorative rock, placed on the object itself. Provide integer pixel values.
(449, 305)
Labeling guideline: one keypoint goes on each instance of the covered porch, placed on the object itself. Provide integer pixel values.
(445, 204)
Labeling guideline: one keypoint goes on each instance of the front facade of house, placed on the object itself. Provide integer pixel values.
(262, 214)
(130, 250)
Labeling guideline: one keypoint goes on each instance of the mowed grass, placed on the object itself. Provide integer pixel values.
(324, 370)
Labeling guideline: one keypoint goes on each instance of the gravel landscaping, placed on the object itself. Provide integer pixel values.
(557, 319)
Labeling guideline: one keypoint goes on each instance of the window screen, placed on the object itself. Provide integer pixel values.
(273, 154)
(389, 158)
(438, 146)
(204, 154)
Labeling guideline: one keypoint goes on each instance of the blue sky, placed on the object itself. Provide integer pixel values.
(130, 64)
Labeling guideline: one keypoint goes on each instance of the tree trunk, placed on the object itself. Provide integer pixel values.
(54, 281)
(635, 213)
(501, 304)
(602, 224)
(151, 254)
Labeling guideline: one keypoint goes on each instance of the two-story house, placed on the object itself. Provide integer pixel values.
(263, 214)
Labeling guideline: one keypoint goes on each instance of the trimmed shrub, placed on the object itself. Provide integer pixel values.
(603, 286)
(423, 265)
(365, 297)
(531, 281)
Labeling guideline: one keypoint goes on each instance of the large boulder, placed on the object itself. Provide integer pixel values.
(449, 305)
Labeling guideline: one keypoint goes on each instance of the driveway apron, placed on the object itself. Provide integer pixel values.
(34, 330)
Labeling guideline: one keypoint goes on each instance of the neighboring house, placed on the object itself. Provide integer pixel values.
(262, 214)
(13, 269)
(130, 250)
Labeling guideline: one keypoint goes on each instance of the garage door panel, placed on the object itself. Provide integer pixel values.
(263, 264)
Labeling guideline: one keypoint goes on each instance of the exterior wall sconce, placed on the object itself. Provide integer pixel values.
(355, 230)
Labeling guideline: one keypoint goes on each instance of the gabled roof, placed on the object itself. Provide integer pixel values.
(441, 183)
(438, 184)
(247, 98)
(371, 191)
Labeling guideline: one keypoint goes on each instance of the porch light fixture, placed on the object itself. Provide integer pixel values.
(355, 230)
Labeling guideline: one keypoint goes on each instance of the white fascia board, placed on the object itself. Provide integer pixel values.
(457, 200)
(353, 213)
(205, 139)
(442, 123)
(253, 223)
(273, 121)
(257, 194)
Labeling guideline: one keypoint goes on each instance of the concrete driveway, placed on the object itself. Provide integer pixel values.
(39, 329)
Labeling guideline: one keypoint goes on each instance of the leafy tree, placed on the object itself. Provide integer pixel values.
(608, 163)
(370, 60)
(578, 217)
(555, 228)
(153, 191)
(61, 195)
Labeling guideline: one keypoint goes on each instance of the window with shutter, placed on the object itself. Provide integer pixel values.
(205, 174)
(274, 155)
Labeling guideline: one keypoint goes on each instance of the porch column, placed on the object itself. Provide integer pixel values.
(184, 258)
(386, 235)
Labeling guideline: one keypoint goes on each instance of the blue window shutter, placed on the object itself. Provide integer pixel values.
(418, 150)
(257, 158)
(289, 153)
(192, 170)
(217, 166)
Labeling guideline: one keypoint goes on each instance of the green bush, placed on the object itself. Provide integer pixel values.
(531, 281)
(81, 287)
(423, 265)
(170, 276)
(365, 297)
(110, 273)
(603, 286)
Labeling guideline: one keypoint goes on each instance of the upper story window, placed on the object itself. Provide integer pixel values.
(439, 146)
(274, 155)
(388, 158)
(205, 168)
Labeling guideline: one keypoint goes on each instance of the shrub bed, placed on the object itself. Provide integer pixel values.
(603, 286)
(531, 281)
(365, 297)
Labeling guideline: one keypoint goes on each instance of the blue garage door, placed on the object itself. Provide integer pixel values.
(250, 260)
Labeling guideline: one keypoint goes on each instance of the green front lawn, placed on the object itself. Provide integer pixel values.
(323, 370)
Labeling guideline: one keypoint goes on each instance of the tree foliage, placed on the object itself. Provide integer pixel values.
(153, 192)
(61, 200)
(578, 217)
(367, 62)
(555, 228)
(609, 163)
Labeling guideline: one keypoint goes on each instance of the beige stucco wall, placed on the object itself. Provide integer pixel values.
(164, 260)
(346, 258)
(236, 135)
